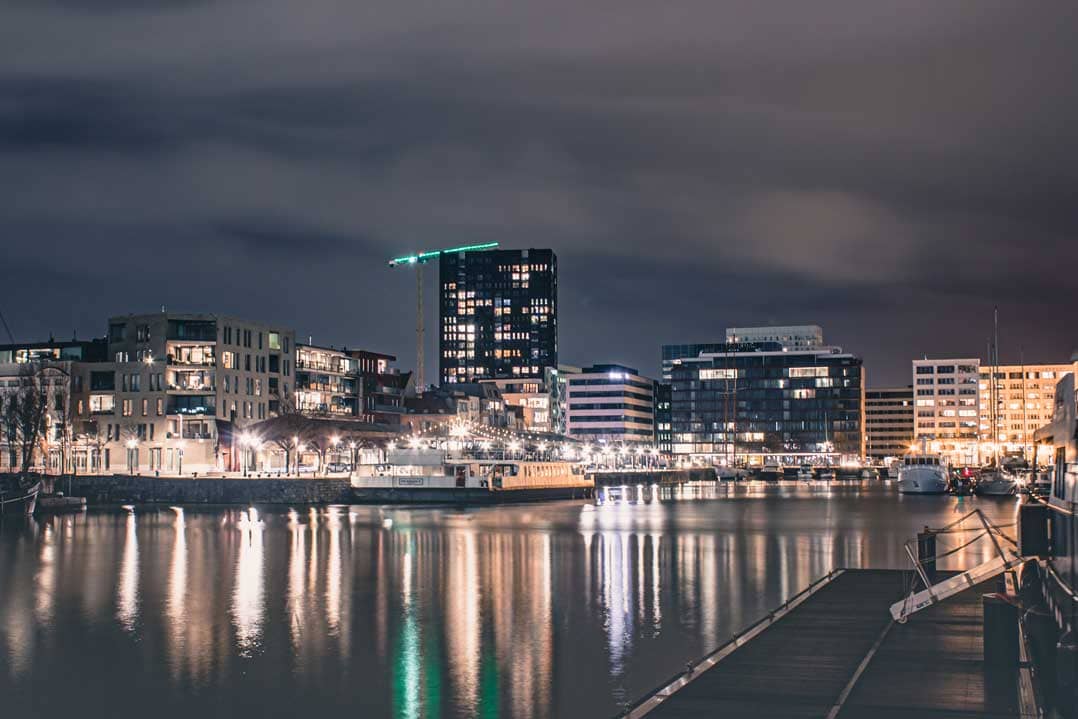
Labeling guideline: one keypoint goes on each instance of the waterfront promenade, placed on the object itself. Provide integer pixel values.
(838, 655)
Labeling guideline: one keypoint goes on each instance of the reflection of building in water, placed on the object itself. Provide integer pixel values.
(45, 577)
(463, 627)
(248, 592)
(176, 599)
(127, 586)
(518, 574)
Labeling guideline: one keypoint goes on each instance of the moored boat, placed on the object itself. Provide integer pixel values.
(995, 482)
(431, 476)
(922, 474)
(18, 495)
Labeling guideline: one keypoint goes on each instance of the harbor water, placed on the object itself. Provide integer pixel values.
(557, 609)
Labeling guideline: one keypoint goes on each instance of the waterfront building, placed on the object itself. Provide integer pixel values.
(664, 436)
(531, 397)
(888, 422)
(792, 337)
(470, 403)
(610, 403)
(382, 387)
(764, 401)
(326, 382)
(673, 354)
(499, 314)
(1025, 399)
(178, 387)
(95, 350)
(788, 336)
(947, 406)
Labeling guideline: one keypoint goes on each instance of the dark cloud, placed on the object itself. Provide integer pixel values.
(890, 172)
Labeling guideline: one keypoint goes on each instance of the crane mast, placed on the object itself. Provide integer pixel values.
(417, 260)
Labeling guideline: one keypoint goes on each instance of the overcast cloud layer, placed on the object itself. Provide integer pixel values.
(887, 170)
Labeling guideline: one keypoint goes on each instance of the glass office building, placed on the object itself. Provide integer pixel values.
(499, 314)
(760, 401)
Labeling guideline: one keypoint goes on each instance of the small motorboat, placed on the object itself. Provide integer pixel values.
(18, 495)
(805, 473)
(995, 482)
(827, 474)
(771, 472)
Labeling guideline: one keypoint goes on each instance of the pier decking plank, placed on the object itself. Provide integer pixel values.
(799, 667)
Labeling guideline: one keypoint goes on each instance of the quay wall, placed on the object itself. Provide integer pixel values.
(128, 489)
(660, 476)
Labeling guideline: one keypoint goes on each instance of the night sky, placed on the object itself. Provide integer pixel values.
(887, 170)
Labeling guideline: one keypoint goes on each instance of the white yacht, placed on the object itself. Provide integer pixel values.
(922, 474)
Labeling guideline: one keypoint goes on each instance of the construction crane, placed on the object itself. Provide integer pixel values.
(418, 260)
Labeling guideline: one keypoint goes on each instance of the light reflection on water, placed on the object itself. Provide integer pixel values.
(556, 609)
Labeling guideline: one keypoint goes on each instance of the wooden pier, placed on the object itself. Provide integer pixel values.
(838, 655)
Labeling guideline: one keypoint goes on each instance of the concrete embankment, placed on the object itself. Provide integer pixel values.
(127, 489)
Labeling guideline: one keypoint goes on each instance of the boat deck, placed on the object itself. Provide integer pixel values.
(838, 656)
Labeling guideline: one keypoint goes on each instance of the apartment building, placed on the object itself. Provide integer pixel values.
(499, 314)
(349, 384)
(888, 422)
(177, 387)
(610, 403)
(1025, 400)
(947, 407)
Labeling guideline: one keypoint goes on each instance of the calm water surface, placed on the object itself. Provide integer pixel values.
(563, 609)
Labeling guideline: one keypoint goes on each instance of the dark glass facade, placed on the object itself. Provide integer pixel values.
(499, 314)
(664, 436)
(768, 401)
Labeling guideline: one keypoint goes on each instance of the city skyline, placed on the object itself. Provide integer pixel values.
(690, 174)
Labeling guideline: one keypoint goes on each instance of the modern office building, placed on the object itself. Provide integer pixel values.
(664, 436)
(673, 354)
(610, 403)
(499, 314)
(763, 402)
(888, 422)
(788, 336)
(1025, 400)
(792, 337)
(946, 400)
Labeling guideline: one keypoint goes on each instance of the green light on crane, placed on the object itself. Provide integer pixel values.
(431, 254)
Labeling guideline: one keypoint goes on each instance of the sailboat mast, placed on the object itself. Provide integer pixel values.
(995, 387)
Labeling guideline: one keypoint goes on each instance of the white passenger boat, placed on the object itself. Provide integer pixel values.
(433, 475)
(922, 474)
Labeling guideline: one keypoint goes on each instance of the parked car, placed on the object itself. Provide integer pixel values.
(337, 467)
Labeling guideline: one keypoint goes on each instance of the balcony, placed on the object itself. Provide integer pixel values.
(206, 361)
(203, 388)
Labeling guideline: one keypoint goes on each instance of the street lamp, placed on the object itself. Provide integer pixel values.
(132, 454)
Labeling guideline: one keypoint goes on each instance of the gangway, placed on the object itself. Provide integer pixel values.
(1006, 559)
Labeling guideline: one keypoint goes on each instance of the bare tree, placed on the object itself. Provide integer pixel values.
(30, 413)
(62, 421)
